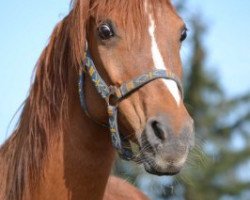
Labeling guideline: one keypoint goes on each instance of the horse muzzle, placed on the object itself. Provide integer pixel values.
(164, 151)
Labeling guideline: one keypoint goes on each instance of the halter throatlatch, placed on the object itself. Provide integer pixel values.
(120, 143)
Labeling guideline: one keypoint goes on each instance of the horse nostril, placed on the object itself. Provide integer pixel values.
(159, 132)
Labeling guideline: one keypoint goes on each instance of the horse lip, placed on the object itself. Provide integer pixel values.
(152, 170)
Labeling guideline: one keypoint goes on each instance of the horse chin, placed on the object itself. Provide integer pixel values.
(162, 168)
(157, 170)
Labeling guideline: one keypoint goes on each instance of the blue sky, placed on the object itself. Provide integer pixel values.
(26, 26)
(228, 41)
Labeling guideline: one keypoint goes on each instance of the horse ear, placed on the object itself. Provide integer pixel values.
(79, 18)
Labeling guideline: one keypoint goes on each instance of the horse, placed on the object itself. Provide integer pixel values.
(108, 81)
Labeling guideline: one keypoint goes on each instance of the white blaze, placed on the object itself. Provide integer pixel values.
(158, 59)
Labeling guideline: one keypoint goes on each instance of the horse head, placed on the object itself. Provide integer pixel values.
(128, 39)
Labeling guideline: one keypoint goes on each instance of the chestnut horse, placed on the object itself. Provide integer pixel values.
(127, 53)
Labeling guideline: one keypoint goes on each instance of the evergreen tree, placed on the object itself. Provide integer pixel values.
(217, 178)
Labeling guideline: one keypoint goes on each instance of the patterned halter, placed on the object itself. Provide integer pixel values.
(117, 94)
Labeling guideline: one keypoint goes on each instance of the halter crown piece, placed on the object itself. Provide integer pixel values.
(120, 143)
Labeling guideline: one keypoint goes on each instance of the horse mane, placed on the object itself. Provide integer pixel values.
(46, 108)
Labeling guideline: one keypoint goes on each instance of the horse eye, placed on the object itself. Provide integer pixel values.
(183, 34)
(105, 31)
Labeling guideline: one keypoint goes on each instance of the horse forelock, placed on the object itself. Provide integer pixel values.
(130, 13)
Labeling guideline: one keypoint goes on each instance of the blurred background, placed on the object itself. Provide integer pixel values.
(216, 60)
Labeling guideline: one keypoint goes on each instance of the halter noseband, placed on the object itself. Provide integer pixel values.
(120, 143)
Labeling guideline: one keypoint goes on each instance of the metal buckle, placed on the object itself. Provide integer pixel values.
(112, 98)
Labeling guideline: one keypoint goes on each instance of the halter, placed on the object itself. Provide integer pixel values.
(117, 94)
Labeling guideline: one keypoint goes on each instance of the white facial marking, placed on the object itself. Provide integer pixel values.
(158, 59)
(174, 90)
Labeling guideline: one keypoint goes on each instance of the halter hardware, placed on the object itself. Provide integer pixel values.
(120, 143)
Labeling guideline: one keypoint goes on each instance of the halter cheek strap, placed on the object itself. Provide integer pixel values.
(121, 144)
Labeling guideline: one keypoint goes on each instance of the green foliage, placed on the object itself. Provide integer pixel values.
(215, 170)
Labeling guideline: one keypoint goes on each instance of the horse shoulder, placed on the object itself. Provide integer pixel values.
(119, 189)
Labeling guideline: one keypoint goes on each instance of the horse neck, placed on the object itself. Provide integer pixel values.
(79, 163)
(76, 161)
